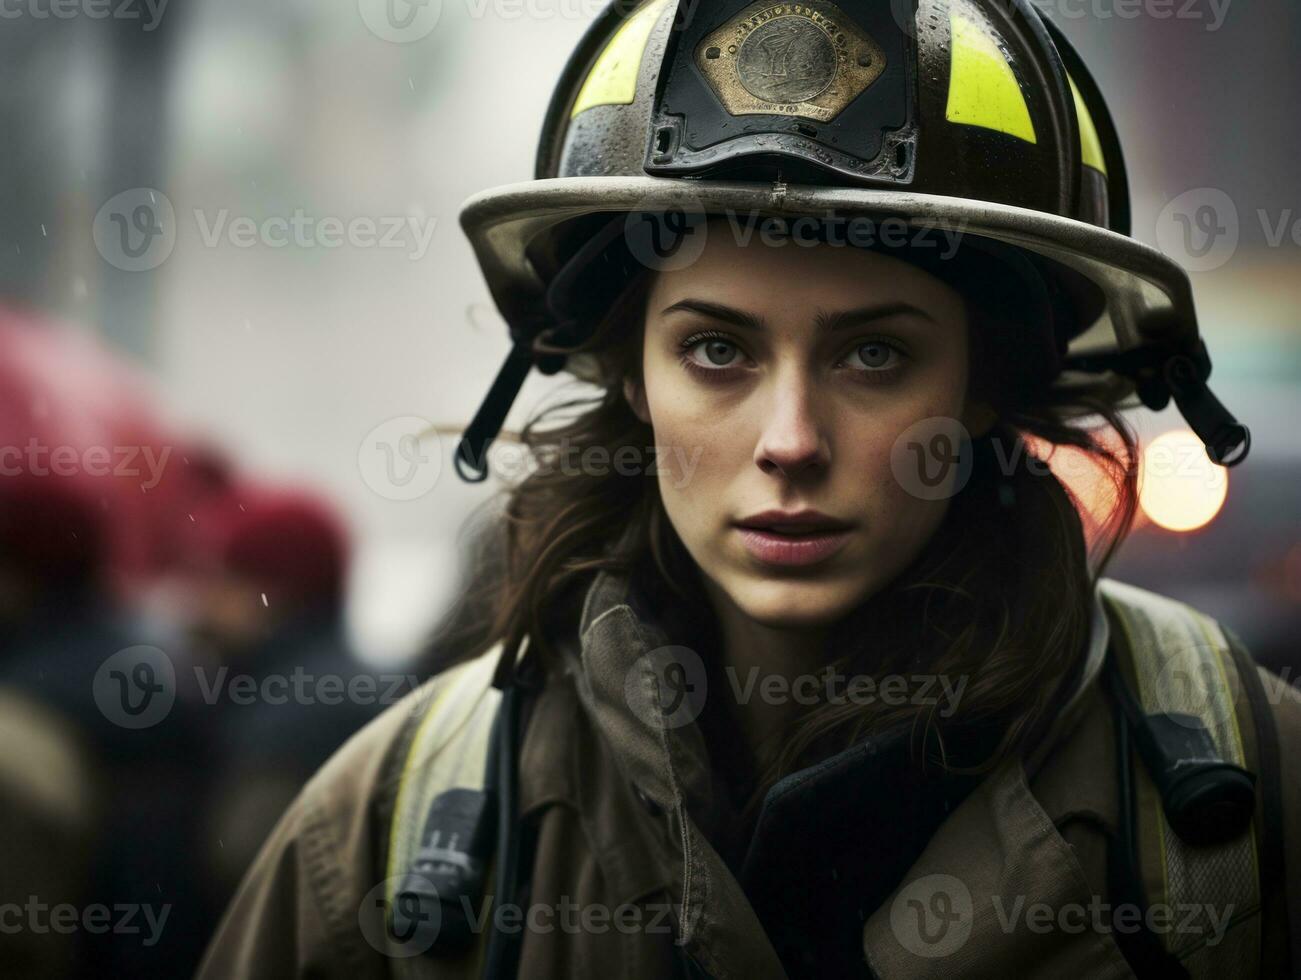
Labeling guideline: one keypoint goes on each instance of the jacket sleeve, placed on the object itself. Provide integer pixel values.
(311, 904)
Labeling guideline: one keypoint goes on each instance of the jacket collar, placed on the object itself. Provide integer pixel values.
(641, 692)
(625, 663)
(1075, 704)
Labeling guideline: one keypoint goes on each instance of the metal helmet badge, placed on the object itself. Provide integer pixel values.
(792, 59)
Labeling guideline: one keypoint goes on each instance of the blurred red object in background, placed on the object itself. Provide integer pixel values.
(85, 455)
(286, 543)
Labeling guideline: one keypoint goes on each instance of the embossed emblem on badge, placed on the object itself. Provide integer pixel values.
(786, 60)
(796, 59)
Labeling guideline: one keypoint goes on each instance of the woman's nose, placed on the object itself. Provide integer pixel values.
(792, 440)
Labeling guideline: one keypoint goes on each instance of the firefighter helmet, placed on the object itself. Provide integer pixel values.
(973, 117)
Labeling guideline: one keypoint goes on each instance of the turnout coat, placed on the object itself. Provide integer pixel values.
(862, 871)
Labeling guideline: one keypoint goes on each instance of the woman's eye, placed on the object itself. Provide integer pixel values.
(714, 353)
(874, 355)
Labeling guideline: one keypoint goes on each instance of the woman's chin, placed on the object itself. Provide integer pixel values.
(786, 604)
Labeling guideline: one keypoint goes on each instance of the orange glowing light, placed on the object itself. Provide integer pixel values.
(1180, 489)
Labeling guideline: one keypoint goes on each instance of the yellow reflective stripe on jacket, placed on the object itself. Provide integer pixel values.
(1179, 660)
(449, 750)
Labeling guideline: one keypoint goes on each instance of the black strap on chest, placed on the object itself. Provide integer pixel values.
(516, 843)
(1206, 800)
(1280, 903)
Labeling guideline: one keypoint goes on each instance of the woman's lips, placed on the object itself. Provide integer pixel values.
(809, 548)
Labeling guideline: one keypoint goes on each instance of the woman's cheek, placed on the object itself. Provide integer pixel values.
(682, 464)
(694, 449)
(865, 453)
(893, 510)
(911, 516)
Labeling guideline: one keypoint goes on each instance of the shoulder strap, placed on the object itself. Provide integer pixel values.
(1282, 918)
(1177, 661)
(443, 770)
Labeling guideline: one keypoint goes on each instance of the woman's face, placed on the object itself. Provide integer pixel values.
(778, 380)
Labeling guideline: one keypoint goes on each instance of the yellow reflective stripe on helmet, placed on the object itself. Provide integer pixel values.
(983, 91)
(1090, 145)
(613, 78)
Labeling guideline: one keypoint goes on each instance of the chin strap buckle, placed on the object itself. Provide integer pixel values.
(1183, 376)
(471, 456)
(1160, 374)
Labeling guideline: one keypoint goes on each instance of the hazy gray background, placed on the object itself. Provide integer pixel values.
(294, 356)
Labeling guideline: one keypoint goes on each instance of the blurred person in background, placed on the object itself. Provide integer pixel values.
(266, 612)
(52, 792)
(52, 805)
(77, 526)
(141, 576)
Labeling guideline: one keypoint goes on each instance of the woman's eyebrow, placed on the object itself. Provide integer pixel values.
(847, 319)
(716, 311)
(828, 322)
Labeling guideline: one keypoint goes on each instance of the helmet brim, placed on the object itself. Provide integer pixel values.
(1147, 298)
